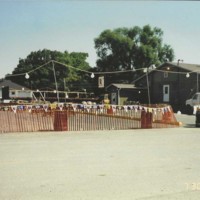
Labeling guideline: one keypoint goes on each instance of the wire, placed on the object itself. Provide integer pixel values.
(69, 66)
(29, 71)
(89, 72)
(72, 67)
(172, 72)
(97, 72)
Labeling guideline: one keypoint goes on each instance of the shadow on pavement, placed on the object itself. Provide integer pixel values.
(189, 126)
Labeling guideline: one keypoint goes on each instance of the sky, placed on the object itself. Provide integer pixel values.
(32, 25)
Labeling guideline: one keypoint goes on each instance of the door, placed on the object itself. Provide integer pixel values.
(113, 98)
(165, 93)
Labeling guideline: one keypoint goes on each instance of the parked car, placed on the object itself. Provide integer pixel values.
(195, 100)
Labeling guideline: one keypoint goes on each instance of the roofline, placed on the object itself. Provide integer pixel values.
(137, 88)
(176, 65)
(12, 82)
(160, 66)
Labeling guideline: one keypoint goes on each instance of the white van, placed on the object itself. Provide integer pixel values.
(195, 100)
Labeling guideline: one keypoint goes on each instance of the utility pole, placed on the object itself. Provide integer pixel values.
(197, 81)
(55, 81)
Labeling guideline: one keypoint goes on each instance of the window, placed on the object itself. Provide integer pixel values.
(13, 92)
(166, 90)
(165, 74)
(195, 96)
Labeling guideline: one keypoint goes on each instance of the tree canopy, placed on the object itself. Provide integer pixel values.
(118, 50)
(43, 77)
(129, 48)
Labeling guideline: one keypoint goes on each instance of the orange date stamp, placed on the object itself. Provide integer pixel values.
(193, 186)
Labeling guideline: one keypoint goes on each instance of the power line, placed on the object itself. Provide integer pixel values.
(99, 73)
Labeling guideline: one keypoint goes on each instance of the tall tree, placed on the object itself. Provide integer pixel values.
(42, 77)
(128, 48)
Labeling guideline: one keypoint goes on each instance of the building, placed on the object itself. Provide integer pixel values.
(171, 83)
(11, 90)
(120, 94)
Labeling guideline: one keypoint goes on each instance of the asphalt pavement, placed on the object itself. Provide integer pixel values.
(143, 164)
(188, 121)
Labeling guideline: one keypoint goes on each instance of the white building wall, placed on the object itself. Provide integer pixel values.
(20, 94)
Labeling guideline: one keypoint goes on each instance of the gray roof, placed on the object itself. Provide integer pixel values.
(11, 85)
(186, 66)
(123, 86)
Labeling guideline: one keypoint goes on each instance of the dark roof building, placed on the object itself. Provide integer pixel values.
(11, 90)
(11, 85)
(121, 94)
(171, 83)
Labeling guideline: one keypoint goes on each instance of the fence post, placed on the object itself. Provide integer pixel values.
(60, 121)
(149, 119)
(110, 110)
(143, 119)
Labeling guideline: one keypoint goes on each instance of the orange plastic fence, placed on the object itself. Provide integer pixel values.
(77, 117)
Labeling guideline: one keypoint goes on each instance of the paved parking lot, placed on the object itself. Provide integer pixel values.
(188, 121)
(132, 164)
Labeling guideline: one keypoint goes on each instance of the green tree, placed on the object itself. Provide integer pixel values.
(129, 48)
(42, 77)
